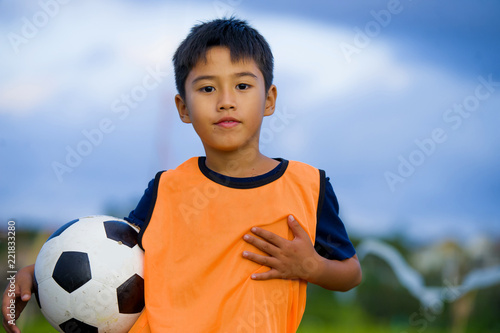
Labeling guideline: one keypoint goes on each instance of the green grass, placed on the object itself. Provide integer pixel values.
(336, 312)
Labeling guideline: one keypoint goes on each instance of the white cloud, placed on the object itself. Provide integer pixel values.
(23, 96)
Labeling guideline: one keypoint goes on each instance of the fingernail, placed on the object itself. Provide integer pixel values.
(254, 229)
(254, 276)
(246, 237)
(245, 254)
(25, 297)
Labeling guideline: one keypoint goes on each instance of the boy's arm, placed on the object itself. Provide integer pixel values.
(14, 300)
(338, 275)
(297, 259)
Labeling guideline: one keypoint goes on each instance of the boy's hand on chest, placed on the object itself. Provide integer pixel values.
(287, 259)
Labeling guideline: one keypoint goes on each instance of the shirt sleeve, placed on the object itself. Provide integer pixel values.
(139, 214)
(332, 241)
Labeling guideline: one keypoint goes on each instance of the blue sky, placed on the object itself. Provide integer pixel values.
(397, 100)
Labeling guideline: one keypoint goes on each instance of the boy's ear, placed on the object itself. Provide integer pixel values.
(272, 94)
(182, 109)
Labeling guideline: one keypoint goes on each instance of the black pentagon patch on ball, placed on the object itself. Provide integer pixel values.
(61, 229)
(121, 232)
(131, 295)
(76, 326)
(72, 270)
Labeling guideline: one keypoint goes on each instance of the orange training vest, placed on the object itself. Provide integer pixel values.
(196, 279)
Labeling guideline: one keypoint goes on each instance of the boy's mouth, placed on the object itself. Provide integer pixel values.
(227, 122)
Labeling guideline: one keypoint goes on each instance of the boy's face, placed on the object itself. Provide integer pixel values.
(226, 101)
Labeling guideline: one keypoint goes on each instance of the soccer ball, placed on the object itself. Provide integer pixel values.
(89, 276)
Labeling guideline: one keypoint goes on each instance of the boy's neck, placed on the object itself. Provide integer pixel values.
(249, 163)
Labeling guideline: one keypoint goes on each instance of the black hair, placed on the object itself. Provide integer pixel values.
(241, 39)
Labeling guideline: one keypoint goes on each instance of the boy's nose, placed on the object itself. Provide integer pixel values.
(226, 101)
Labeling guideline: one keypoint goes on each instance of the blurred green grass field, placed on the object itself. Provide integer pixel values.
(327, 313)
(322, 316)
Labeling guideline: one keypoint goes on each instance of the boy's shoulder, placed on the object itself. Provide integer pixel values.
(302, 167)
(301, 164)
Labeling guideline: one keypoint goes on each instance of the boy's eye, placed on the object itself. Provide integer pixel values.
(207, 89)
(243, 86)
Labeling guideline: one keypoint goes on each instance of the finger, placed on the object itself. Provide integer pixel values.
(269, 236)
(6, 300)
(25, 292)
(262, 245)
(11, 314)
(25, 285)
(297, 229)
(270, 274)
(260, 259)
(10, 328)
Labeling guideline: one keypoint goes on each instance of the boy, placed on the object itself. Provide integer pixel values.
(228, 237)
